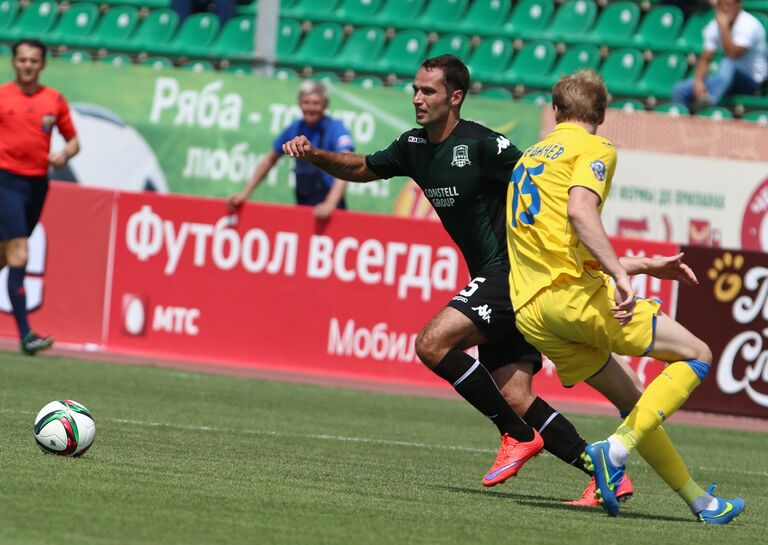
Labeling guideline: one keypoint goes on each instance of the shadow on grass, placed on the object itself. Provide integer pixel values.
(554, 503)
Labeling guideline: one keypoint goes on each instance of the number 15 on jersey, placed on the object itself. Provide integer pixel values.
(522, 183)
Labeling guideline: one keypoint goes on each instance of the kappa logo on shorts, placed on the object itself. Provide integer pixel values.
(484, 312)
(503, 144)
(461, 156)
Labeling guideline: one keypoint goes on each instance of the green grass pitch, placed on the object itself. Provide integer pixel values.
(190, 458)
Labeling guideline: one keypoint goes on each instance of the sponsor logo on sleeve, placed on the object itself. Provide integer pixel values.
(599, 170)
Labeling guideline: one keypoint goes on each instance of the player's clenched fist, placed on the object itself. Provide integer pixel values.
(299, 147)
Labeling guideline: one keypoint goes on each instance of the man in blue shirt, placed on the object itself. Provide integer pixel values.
(314, 187)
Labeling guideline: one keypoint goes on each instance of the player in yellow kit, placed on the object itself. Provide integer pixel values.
(574, 301)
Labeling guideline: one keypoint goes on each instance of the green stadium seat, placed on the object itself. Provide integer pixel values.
(115, 27)
(659, 29)
(198, 66)
(627, 105)
(9, 9)
(660, 75)
(37, 19)
(116, 59)
(616, 24)
(5, 50)
(328, 78)
(236, 39)
(534, 61)
(755, 5)
(499, 93)
(195, 37)
(749, 102)
(157, 63)
(74, 26)
(454, 44)
(250, 9)
(573, 20)
(76, 56)
(441, 15)
(490, 60)
(320, 44)
(357, 12)
(672, 109)
(716, 112)
(361, 48)
(315, 10)
(539, 98)
(367, 82)
(289, 35)
(690, 40)
(622, 68)
(399, 13)
(139, 4)
(239, 69)
(283, 74)
(485, 17)
(758, 116)
(154, 32)
(529, 19)
(403, 55)
(576, 57)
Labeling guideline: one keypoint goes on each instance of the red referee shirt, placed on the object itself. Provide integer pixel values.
(26, 122)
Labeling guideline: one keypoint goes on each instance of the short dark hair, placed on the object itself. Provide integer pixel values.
(30, 42)
(455, 73)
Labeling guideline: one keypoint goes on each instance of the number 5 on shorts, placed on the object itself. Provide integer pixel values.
(472, 286)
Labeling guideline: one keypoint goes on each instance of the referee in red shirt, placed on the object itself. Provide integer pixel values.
(28, 113)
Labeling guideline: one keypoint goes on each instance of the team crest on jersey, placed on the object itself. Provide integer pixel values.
(461, 156)
(48, 122)
(598, 168)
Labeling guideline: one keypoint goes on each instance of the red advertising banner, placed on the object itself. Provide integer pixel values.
(68, 268)
(729, 311)
(278, 289)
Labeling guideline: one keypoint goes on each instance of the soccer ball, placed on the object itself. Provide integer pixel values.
(65, 428)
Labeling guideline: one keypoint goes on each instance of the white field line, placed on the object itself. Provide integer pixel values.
(366, 440)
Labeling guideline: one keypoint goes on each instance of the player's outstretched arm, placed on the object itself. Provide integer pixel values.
(584, 217)
(343, 165)
(670, 267)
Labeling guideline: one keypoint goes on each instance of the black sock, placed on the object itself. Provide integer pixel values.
(18, 298)
(560, 437)
(474, 383)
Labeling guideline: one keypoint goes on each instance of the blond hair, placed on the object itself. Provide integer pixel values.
(581, 96)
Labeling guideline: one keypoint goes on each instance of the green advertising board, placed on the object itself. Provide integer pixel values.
(206, 131)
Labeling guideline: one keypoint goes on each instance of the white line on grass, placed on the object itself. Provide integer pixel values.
(385, 442)
(366, 440)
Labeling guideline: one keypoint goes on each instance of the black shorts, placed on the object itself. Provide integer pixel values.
(486, 302)
(21, 203)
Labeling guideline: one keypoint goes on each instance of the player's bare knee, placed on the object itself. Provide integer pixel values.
(17, 256)
(703, 352)
(429, 349)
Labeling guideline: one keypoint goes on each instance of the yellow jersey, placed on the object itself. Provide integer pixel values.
(542, 244)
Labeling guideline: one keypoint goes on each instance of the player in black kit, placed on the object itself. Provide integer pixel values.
(464, 169)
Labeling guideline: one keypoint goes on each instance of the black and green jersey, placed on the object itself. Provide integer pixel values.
(465, 177)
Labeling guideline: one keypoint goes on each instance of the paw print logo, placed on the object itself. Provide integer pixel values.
(724, 273)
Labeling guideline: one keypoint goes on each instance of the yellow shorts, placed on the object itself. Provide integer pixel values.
(571, 323)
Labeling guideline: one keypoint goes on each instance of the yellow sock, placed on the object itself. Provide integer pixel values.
(690, 492)
(661, 399)
(657, 449)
